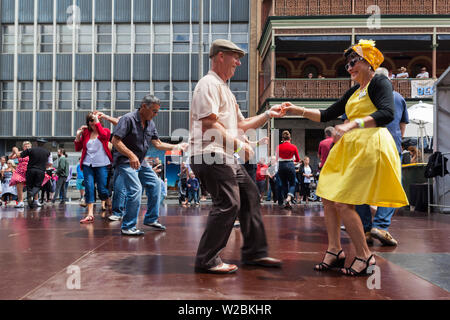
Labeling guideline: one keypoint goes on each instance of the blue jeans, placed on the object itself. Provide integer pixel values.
(119, 195)
(192, 195)
(97, 175)
(132, 182)
(163, 192)
(286, 172)
(382, 219)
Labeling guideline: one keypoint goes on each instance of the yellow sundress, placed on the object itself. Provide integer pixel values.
(363, 167)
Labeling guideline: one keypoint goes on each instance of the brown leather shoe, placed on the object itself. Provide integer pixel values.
(264, 262)
(384, 237)
(223, 268)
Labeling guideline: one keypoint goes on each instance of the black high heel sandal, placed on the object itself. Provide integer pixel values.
(336, 264)
(352, 272)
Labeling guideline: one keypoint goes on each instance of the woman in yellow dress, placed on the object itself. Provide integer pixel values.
(363, 167)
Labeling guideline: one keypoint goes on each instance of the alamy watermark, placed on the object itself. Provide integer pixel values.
(374, 281)
(374, 21)
(73, 282)
(74, 19)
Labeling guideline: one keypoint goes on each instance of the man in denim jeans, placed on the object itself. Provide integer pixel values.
(131, 138)
(378, 228)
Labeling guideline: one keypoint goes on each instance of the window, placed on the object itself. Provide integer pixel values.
(103, 95)
(140, 90)
(26, 38)
(26, 95)
(240, 91)
(8, 39)
(123, 97)
(64, 101)
(142, 42)
(281, 72)
(46, 38)
(123, 38)
(104, 38)
(162, 92)
(84, 95)
(84, 35)
(219, 31)
(239, 35)
(161, 33)
(180, 95)
(310, 69)
(181, 38)
(65, 38)
(195, 37)
(45, 95)
(7, 96)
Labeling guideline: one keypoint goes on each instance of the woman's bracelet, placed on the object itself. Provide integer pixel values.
(304, 110)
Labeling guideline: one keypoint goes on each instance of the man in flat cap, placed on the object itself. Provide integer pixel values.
(217, 129)
(39, 156)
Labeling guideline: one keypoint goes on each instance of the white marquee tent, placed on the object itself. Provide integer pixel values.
(441, 129)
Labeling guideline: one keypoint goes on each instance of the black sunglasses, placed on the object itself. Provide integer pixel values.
(352, 62)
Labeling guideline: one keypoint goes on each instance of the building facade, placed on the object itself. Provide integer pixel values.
(63, 58)
(302, 37)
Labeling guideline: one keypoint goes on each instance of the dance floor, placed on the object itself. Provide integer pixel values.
(45, 254)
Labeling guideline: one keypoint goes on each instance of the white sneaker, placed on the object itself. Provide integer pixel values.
(20, 205)
(114, 217)
(156, 225)
(37, 203)
(132, 232)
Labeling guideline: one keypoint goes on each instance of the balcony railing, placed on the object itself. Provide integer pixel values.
(359, 7)
(320, 88)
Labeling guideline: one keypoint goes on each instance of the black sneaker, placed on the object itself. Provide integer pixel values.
(156, 225)
(30, 202)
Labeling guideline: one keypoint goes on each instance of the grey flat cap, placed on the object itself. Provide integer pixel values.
(224, 45)
(41, 140)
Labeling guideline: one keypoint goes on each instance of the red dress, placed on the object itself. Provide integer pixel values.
(21, 170)
(19, 176)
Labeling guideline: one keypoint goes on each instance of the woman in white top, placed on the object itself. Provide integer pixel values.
(307, 178)
(95, 158)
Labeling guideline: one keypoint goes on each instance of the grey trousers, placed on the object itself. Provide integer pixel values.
(60, 185)
(234, 194)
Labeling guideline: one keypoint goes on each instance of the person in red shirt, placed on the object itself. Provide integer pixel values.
(286, 152)
(92, 139)
(261, 175)
(325, 146)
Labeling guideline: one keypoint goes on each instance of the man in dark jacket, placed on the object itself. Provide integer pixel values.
(62, 172)
(36, 170)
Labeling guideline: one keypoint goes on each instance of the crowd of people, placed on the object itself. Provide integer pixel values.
(359, 165)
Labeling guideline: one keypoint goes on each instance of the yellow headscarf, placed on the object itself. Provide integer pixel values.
(367, 50)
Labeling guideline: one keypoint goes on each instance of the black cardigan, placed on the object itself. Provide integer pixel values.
(380, 93)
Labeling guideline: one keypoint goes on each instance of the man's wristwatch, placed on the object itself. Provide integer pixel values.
(267, 113)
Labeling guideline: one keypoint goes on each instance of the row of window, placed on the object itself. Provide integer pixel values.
(124, 11)
(100, 37)
(103, 94)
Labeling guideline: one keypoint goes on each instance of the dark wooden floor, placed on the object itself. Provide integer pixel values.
(37, 247)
